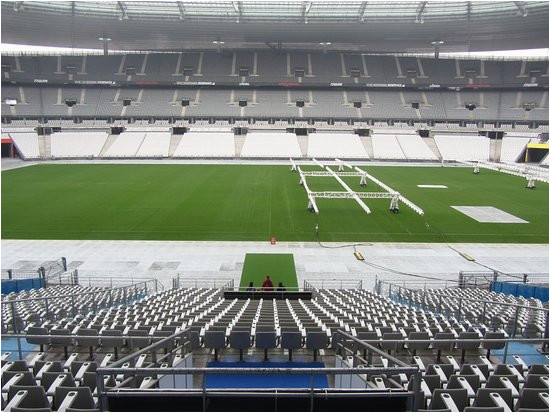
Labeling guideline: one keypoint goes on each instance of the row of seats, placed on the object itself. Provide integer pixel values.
(465, 303)
(216, 323)
(261, 66)
(55, 303)
(317, 104)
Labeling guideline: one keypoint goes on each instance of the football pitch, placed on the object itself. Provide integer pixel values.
(248, 202)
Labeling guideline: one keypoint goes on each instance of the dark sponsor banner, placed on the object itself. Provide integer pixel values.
(478, 86)
(147, 82)
(95, 82)
(385, 85)
(289, 84)
(185, 83)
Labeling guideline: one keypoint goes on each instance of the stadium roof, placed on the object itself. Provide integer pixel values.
(358, 25)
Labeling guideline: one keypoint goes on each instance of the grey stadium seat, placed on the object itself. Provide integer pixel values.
(266, 340)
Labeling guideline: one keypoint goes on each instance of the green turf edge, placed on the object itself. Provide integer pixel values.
(280, 267)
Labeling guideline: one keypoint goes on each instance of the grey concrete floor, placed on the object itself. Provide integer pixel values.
(204, 263)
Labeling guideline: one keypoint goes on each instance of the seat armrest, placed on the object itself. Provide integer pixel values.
(499, 401)
(57, 382)
(449, 402)
(16, 400)
(67, 401)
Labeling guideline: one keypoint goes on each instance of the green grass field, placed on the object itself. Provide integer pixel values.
(230, 202)
(279, 267)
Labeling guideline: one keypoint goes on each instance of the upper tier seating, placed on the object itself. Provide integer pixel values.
(326, 68)
(262, 103)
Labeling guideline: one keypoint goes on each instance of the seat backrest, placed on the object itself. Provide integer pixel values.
(495, 381)
(472, 379)
(494, 335)
(16, 365)
(467, 369)
(60, 332)
(38, 331)
(83, 400)
(535, 381)
(483, 397)
(448, 369)
(530, 399)
(442, 341)
(433, 381)
(483, 409)
(214, 339)
(48, 378)
(25, 378)
(112, 338)
(87, 341)
(459, 396)
(538, 369)
(266, 339)
(291, 339)
(503, 369)
(467, 335)
(54, 366)
(393, 339)
(36, 396)
(240, 339)
(419, 335)
(76, 365)
(316, 340)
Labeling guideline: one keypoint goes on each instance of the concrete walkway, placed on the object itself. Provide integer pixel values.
(206, 263)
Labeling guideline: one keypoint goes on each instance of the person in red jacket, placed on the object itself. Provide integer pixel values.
(267, 284)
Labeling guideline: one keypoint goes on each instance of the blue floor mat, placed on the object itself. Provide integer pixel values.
(528, 353)
(10, 345)
(263, 381)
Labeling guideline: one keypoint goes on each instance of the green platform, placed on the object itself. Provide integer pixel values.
(280, 267)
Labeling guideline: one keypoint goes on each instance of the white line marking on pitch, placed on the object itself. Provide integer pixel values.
(432, 186)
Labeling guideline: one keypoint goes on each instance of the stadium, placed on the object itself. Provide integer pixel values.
(274, 206)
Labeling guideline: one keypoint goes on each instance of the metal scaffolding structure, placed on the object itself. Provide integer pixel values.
(349, 193)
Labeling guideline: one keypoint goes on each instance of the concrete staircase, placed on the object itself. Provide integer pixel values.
(239, 142)
(495, 150)
(45, 146)
(433, 146)
(174, 143)
(303, 142)
(367, 144)
(107, 144)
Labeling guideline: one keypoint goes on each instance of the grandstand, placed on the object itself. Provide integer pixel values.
(315, 206)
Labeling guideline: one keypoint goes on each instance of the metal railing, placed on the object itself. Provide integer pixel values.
(332, 284)
(180, 282)
(109, 281)
(182, 338)
(483, 279)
